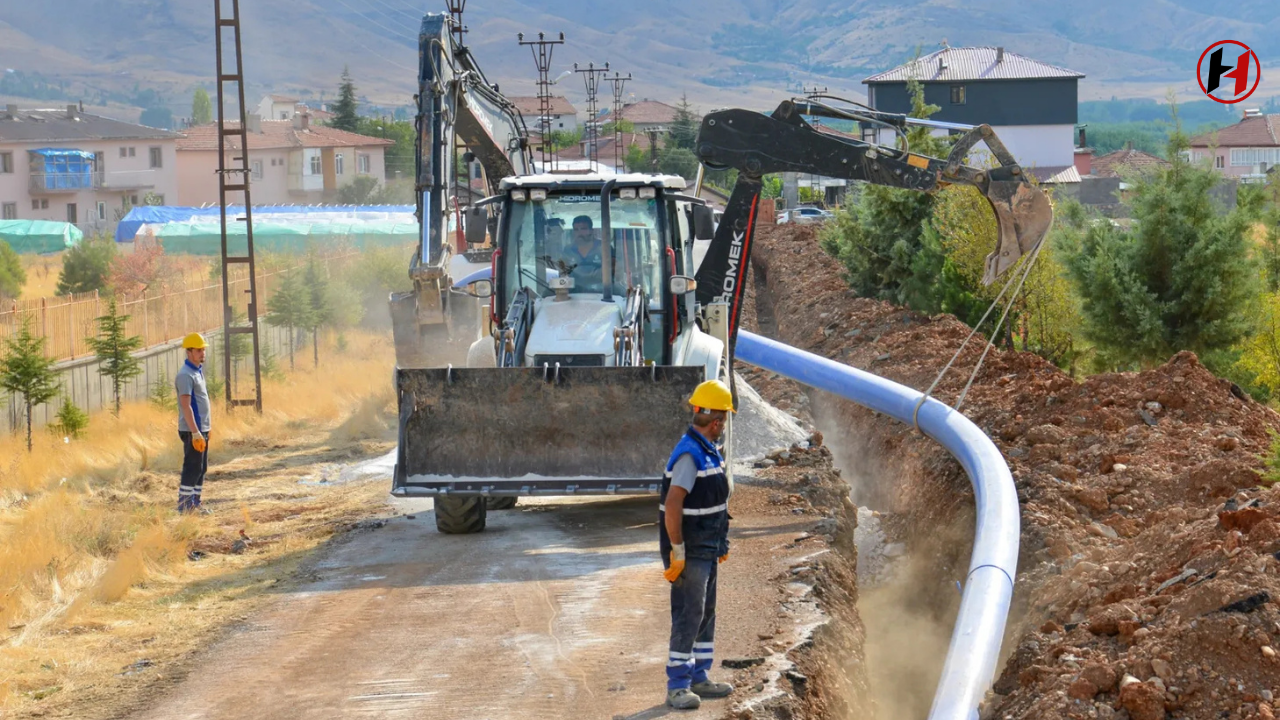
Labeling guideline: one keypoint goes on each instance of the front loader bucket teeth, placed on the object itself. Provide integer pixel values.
(1023, 217)
(540, 431)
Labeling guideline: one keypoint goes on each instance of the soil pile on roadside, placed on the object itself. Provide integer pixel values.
(1148, 577)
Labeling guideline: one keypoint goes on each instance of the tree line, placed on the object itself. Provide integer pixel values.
(1183, 274)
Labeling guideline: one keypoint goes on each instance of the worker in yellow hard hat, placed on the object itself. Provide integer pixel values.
(693, 537)
(193, 422)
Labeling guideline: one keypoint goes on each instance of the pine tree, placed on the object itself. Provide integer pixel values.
(290, 307)
(318, 297)
(86, 266)
(201, 107)
(344, 110)
(71, 419)
(25, 371)
(684, 128)
(1181, 279)
(12, 276)
(879, 236)
(115, 349)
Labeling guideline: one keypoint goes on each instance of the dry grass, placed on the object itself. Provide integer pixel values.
(94, 568)
(43, 270)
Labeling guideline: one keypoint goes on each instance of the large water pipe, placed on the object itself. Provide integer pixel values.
(984, 607)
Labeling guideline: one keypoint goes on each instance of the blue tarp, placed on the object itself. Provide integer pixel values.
(128, 228)
(66, 169)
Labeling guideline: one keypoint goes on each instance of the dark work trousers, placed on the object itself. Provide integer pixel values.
(693, 623)
(194, 466)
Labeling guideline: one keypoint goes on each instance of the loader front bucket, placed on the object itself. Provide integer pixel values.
(535, 431)
(1023, 217)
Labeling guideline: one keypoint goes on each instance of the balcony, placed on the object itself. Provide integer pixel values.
(131, 180)
(299, 183)
(64, 183)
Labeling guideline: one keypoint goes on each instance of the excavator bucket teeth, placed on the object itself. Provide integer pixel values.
(1023, 218)
(533, 431)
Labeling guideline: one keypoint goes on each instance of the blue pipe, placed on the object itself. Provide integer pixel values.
(984, 608)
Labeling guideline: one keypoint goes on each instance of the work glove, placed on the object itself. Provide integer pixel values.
(677, 563)
(198, 442)
(724, 557)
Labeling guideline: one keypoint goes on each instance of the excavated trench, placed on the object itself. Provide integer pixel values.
(915, 527)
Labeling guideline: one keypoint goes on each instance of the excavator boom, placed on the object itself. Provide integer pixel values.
(756, 144)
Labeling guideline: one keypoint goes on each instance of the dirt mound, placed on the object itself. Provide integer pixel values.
(1148, 575)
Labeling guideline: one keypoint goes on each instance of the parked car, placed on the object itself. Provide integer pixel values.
(804, 216)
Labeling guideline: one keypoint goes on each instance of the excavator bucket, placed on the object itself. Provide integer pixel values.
(1023, 217)
(536, 431)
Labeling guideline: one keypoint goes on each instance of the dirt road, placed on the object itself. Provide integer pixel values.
(558, 609)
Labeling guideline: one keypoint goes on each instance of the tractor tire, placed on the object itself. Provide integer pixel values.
(500, 503)
(460, 515)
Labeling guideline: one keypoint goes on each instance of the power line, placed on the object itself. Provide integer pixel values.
(393, 31)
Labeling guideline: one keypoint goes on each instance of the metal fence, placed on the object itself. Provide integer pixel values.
(161, 319)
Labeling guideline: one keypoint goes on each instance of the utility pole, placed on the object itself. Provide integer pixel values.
(618, 82)
(813, 92)
(455, 26)
(237, 184)
(542, 49)
(591, 76)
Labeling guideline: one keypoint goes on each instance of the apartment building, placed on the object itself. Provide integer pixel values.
(291, 161)
(70, 166)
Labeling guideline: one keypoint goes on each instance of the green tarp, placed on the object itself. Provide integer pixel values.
(28, 237)
(206, 238)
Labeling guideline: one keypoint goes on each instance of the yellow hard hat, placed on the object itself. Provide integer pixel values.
(194, 341)
(712, 395)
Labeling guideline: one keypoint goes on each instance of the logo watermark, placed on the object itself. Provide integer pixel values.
(1229, 71)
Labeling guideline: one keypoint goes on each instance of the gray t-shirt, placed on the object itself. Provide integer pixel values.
(684, 473)
(190, 381)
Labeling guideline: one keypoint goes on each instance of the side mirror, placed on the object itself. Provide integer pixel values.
(682, 285)
(477, 219)
(482, 289)
(704, 223)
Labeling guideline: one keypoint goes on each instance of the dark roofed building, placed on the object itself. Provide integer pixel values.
(1031, 104)
(1250, 148)
(66, 165)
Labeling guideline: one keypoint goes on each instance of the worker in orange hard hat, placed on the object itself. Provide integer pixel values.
(193, 422)
(693, 537)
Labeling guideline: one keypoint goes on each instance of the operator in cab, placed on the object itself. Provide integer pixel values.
(583, 256)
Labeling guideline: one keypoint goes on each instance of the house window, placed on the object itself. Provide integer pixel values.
(157, 158)
(6, 163)
(72, 216)
(124, 152)
(133, 152)
(957, 94)
(1248, 157)
(257, 169)
(338, 163)
(315, 165)
(362, 164)
(10, 211)
(35, 204)
(133, 199)
(102, 211)
(1217, 162)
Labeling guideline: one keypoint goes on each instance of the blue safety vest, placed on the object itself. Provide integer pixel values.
(706, 508)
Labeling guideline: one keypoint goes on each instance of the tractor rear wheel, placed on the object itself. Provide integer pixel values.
(460, 515)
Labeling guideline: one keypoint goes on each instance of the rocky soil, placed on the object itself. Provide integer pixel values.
(1148, 576)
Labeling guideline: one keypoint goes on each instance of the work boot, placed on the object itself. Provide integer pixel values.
(709, 689)
(683, 699)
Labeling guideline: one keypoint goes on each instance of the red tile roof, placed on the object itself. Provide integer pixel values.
(1109, 165)
(649, 112)
(560, 105)
(1256, 131)
(278, 134)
